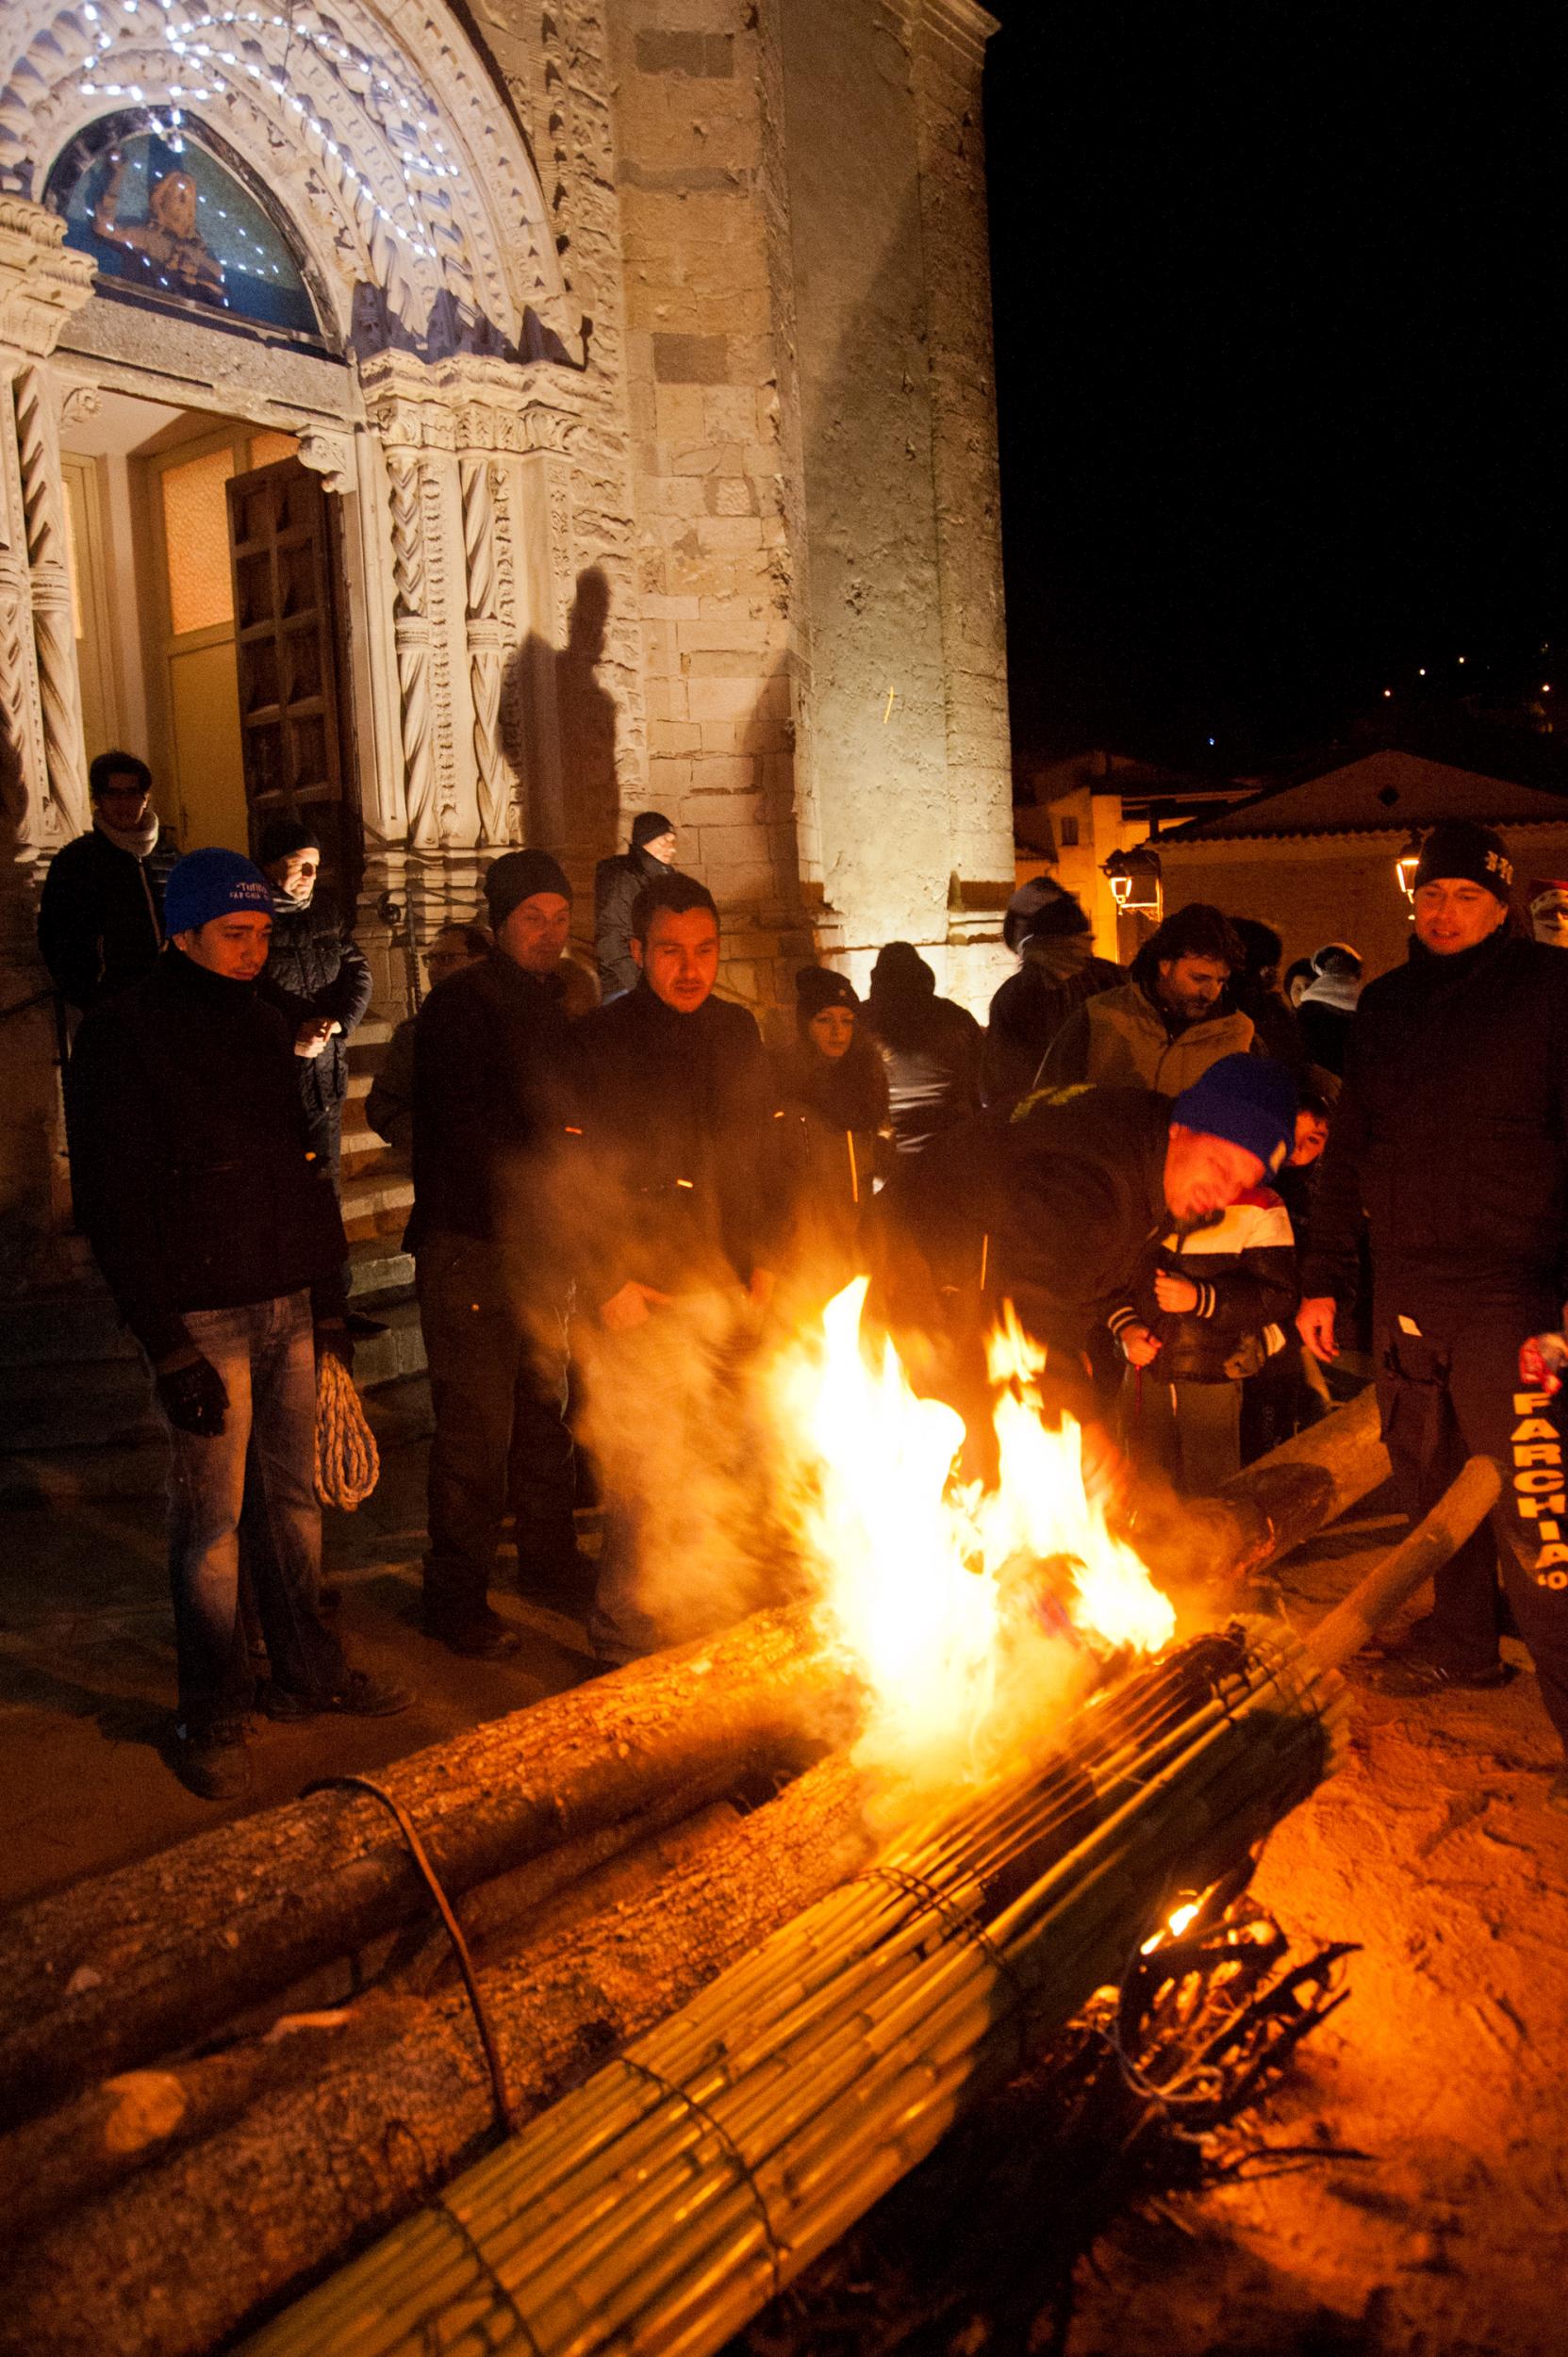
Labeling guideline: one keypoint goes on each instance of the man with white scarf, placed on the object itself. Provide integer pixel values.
(100, 922)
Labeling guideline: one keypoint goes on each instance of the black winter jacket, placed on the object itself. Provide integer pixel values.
(1451, 1131)
(1243, 1267)
(315, 969)
(491, 1108)
(675, 1110)
(616, 884)
(931, 1052)
(187, 1155)
(99, 920)
(1027, 1012)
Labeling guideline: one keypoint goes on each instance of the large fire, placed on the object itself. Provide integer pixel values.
(955, 1599)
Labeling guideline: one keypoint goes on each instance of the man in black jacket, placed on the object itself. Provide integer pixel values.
(1057, 972)
(676, 1229)
(615, 885)
(1451, 1134)
(489, 1111)
(99, 920)
(222, 1244)
(316, 975)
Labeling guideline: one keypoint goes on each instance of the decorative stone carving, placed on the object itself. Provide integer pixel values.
(42, 507)
(331, 456)
(412, 633)
(485, 540)
(79, 403)
(400, 162)
(468, 404)
(41, 284)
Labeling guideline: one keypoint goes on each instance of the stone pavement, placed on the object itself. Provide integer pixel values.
(86, 1655)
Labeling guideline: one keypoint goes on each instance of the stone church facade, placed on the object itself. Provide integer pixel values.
(601, 395)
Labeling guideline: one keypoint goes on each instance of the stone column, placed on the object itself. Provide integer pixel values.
(64, 809)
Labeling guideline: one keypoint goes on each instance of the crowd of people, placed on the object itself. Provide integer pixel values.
(1180, 1176)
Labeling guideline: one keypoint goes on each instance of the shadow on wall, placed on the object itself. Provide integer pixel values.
(558, 734)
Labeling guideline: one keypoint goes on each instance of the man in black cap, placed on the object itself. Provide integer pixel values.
(1452, 1134)
(616, 884)
(489, 1056)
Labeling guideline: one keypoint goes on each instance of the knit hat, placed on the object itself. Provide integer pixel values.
(1249, 1099)
(209, 884)
(1461, 847)
(282, 837)
(647, 826)
(516, 876)
(817, 988)
(1041, 907)
(901, 972)
(1546, 890)
(1336, 956)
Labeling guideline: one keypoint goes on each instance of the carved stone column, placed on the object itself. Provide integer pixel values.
(65, 811)
(491, 571)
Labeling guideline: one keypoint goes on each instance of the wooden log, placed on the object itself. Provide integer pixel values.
(146, 1961)
(181, 2255)
(1462, 1507)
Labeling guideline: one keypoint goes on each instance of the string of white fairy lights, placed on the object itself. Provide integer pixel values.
(405, 116)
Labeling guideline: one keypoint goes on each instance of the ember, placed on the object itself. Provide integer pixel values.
(936, 1589)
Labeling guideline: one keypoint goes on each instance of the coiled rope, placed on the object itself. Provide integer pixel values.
(348, 1464)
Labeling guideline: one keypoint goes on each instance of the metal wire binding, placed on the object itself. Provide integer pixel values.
(727, 2144)
(505, 2110)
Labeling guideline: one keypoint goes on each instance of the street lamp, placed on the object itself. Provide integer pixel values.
(1135, 880)
(1405, 866)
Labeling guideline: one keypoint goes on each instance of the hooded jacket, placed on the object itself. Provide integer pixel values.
(187, 1155)
(99, 920)
(1324, 1018)
(1056, 976)
(1128, 1038)
(316, 970)
(1451, 1130)
(930, 1049)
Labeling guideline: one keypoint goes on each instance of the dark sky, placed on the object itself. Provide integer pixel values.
(1277, 290)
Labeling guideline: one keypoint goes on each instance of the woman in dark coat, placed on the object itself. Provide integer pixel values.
(834, 1136)
(316, 975)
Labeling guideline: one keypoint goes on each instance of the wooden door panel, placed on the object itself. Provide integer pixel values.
(287, 644)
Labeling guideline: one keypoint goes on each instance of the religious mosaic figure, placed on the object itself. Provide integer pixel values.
(168, 243)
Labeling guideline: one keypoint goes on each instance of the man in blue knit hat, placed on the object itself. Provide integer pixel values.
(220, 1237)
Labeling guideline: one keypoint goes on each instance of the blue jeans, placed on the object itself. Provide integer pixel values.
(266, 1356)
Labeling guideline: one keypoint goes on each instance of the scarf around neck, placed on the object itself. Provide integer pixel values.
(140, 842)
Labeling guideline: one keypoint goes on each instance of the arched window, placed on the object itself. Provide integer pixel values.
(171, 226)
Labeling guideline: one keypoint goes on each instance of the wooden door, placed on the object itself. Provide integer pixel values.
(287, 606)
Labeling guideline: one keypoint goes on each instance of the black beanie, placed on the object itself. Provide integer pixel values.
(516, 876)
(817, 988)
(282, 837)
(1461, 847)
(647, 826)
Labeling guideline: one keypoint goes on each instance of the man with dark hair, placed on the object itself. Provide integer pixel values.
(100, 921)
(1168, 1022)
(317, 977)
(222, 1243)
(1450, 1137)
(676, 1219)
(616, 884)
(490, 1049)
(1057, 973)
(1255, 990)
(390, 1106)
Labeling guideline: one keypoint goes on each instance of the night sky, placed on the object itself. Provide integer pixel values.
(1277, 291)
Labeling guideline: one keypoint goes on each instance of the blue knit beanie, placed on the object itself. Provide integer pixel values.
(204, 884)
(1249, 1099)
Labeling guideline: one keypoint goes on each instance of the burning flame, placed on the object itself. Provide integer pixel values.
(944, 1594)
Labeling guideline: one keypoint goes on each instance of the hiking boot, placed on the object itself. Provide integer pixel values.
(212, 1761)
(1412, 1675)
(359, 1697)
(481, 1636)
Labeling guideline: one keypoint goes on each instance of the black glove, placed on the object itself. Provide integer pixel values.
(194, 1399)
(334, 1342)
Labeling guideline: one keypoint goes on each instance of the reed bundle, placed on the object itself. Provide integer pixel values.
(668, 2197)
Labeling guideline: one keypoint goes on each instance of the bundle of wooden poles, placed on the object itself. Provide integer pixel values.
(186, 2158)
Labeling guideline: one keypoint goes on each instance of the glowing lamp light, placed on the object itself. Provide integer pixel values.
(1405, 866)
(1135, 883)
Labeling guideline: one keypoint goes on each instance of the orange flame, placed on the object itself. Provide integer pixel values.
(934, 1588)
